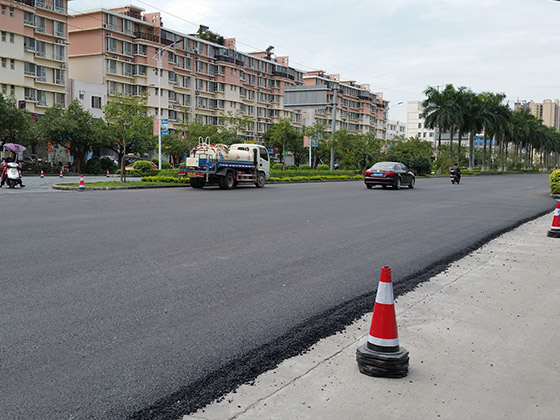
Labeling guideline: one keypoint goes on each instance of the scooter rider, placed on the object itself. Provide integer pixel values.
(455, 170)
(11, 158)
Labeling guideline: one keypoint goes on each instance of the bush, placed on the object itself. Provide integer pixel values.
(419, 165)
(163, 178)
(323, 167)
(142, 166)
(304, 167)
(291, 167)
(555, 182)
(277, 166)
(166, 165)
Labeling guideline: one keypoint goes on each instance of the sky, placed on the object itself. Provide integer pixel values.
(398, 47)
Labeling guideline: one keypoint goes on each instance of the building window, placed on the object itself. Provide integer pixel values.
(11, 38)
(40, 3)
(139, 49)
(58, 29)
(12, 64)
(29, 44)
(3, 9)
(11, 11)
(111, 66)
(111, 22)
(59, 52)
(127, 48)
(58, 76)
(139, 70)
(29, 69)
(28, 18)
(4, 89)
(41, 73)
(58, 6)
(111, 45)
(96, 102)
(59, 99)
(40, 49)
(30, 94)
(127, 26)
(127, 69)
(40, 24)
(41, 98)
(3, 62)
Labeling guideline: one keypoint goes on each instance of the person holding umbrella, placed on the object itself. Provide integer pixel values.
(11, 158)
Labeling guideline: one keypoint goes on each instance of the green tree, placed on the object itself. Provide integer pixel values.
(283, 137)
(234, 128)
(16, 125)
(72, 126)
(129, 129)
(442, 111)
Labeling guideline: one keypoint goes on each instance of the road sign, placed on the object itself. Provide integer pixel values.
(306, 141)
(315, 144)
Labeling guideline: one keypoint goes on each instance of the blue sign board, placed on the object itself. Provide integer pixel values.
(164, 126)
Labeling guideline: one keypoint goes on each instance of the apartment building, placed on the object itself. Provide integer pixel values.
(548, 111)
(359, 111)
(395, 129)
(34, 53)
(204, 78)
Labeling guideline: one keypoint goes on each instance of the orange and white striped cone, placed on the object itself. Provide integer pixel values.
(382, 356)
(82, 186)
(61, 174)
(107, 173)
(42, 175)
(554, 231)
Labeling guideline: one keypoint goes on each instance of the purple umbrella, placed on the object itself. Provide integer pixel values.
(14, 147)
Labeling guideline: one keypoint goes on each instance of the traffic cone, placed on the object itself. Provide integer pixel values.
(42, 175)
(61, 174)
(554, 231)
(82, 186)
(382, 356)
(107, 173)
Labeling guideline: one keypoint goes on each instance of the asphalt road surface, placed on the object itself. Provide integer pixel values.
(149, 303)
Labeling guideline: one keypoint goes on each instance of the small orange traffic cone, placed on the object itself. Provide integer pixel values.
(382, 356)
(554, 231)
(82, 186)
(61, 174)
(107, 173)
(42, 175)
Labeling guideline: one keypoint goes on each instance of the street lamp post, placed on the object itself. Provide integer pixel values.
(159, 58)
(334, 104)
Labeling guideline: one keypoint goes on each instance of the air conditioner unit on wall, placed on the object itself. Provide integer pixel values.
(109, 34)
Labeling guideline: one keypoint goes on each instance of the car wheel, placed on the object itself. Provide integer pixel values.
(397, 185)
(369, 186)
(412, 182)
(384, 186)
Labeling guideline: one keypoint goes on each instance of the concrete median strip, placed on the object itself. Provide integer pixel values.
(484, 335)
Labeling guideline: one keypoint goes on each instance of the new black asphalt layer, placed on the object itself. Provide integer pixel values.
(133, 297)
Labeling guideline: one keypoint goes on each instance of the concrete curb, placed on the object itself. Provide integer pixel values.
(132, 187)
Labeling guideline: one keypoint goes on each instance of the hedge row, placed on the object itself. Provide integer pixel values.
(555, 182)
(164, 178)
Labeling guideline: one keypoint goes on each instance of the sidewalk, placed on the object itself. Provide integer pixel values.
(483, 337)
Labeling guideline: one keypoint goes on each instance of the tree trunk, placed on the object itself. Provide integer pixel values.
(506, 156)
(459, 138)
(450, 154)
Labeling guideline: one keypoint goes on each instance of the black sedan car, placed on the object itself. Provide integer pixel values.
(394, 174)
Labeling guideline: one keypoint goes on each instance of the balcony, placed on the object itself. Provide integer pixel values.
(147, 36)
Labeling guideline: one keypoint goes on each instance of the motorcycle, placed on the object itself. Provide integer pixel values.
(13, 174)
(455, 177)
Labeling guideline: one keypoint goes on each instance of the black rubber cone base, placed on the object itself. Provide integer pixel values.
(383, 365)
(553, 233)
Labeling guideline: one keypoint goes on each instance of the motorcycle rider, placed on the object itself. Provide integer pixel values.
(455, 170)
(11, 158)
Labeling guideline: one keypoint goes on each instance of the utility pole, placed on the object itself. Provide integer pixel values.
(334, 104)
(159, 58)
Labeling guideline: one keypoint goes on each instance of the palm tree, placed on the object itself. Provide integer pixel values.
(441, 111)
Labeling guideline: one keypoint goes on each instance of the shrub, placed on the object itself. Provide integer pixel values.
(292, 167)
(419, 165)
(142, 166)
(304, 167)
(323, 167)
(277, 166)
(166, 165)
(555, 182)
(163, 178)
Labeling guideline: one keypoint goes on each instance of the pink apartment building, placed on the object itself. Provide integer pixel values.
(202, 80)
(34, 53)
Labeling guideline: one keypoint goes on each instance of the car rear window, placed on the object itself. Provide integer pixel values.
(383, 165)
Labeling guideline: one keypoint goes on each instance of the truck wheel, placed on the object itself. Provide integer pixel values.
(261, 180)
(227, 182)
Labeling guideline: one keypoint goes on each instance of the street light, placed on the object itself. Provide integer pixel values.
(159, 58)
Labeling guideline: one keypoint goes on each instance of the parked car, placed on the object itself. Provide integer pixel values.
(394, 174)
